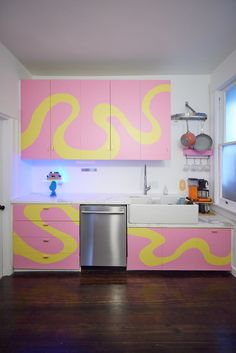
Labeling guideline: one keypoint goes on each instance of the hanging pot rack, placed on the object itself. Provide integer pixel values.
(190, 114)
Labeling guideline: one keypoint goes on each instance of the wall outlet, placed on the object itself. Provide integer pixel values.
(88, 169)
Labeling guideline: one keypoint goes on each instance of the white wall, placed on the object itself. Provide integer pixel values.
(224, 73)
(127, 176)
(11, 71)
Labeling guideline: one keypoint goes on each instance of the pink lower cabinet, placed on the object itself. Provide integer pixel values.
(179, 249)
(144, 252)
(46, 237)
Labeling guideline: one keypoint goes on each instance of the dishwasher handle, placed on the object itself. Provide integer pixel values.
(103, 212)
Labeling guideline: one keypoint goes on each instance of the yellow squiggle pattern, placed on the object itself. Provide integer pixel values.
(156, 240)
(101, 117)
(20, 247)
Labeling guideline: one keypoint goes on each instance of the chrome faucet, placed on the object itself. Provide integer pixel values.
(146, 187)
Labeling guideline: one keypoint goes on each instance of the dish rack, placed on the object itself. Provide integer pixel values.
(193, 155)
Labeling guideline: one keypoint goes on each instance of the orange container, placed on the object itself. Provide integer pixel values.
(192, 192)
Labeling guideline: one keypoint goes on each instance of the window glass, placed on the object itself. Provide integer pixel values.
(229, 171)
(230, 115)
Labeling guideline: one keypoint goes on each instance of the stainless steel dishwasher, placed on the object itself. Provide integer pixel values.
(103, 235)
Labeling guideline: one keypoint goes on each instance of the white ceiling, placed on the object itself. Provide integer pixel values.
(119, 37)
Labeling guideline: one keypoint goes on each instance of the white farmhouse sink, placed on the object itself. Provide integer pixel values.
(161, 210)
(147, 199)
(143, 200)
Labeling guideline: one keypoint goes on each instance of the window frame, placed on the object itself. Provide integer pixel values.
(220, 130)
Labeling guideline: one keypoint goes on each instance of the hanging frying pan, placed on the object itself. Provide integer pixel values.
(188, 139)
(203, 142)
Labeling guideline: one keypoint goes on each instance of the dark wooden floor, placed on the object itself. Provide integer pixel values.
(103, 311)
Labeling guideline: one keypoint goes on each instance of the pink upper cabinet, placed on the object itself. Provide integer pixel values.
(95, 119)
(95, 114)
(66, 119)
(125, 119)
(80, 114)
(155, 120)
(35, 119)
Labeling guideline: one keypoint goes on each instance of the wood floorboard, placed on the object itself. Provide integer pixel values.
(118, 312)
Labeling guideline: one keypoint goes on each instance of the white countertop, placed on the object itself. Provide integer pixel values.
(205, 220)
(81, 198)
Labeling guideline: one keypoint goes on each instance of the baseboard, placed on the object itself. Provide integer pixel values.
(233, 271)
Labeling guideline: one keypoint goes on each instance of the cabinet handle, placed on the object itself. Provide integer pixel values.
(45, 225)
(46, 240)
(214, 231)
(45, 257)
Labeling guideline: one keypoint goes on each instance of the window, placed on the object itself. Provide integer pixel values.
(230, 115)
(228, 151)
(229, 171)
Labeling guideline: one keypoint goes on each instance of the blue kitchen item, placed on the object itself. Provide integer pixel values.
(181, 201)
(53, 187)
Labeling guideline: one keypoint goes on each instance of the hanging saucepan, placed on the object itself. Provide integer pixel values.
(188, 139)
(203, 142)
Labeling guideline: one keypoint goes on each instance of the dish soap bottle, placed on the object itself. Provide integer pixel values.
(53, 187)
(165, 190)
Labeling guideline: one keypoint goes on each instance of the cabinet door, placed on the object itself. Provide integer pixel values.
(35, 119)
(66, 121)
(179, 249)
(155, 120)
(196, 249)
(95, 115)
(71, 119)
(80, 119)
(47, 261)
(45, 212)
(45, 245)
(46, 236)
(144, 250)
(125, 119)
